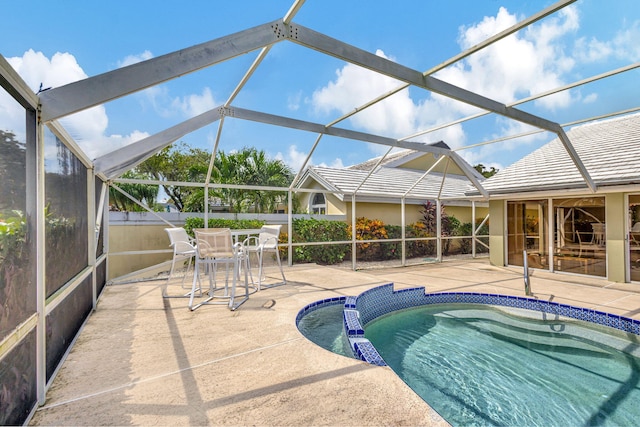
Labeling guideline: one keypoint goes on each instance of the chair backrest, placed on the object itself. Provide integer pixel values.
(214, 242)
(269, 235)
(179, 239)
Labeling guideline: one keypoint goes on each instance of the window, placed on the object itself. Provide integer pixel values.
(318, 204)
(580, 235)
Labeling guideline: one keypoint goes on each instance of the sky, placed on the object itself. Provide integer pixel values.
(55, 43)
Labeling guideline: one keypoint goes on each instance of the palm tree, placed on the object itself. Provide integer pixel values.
(251, 167)
(143, 192)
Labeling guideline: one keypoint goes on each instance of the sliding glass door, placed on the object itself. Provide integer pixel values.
(580, 236)
(527, 226)
(634, 237)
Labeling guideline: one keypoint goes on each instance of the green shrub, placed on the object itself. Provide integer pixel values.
(314, 230)
(419, 248)
(197, 222)
(16, 303)
(373, 229)
(466, 230)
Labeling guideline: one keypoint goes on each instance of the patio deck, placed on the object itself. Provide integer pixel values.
(142, 360)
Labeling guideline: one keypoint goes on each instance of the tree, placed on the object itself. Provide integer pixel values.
(12, 172)
(144, 192)
(250, 166)
(178, 163)
(484, 171)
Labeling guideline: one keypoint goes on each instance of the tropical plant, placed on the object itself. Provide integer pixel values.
(144, 192)
(373, 229)
(12, 172)
(314, 230)
(198, 222)
(177, 163)
(484, 171)
(466, 229)
(250, 166)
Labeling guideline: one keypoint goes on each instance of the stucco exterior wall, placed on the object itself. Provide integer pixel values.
(334, 205)
(497, 231)
(616, 218)
(136, 237)
(426, 161)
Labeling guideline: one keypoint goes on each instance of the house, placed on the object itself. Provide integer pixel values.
(543, 205)
(381, 186)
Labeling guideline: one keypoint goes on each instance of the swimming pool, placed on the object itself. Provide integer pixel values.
(322, 324)
(534, 333)
(481, 365)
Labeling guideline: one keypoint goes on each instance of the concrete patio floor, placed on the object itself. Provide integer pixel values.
(144, 360)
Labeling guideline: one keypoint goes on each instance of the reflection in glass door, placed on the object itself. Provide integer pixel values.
(634, 237)
(527, 226)
(580, 236)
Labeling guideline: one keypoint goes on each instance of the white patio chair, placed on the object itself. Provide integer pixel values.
(634, 233)
(266, 241)
(599, 233)
(215, 247)
(184, 249)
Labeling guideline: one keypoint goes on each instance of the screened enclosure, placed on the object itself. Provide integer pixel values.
(54, 206)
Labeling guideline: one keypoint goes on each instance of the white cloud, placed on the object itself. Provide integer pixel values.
(35, 68)
(623, 46)
(295, 159)
(523, 64)
(293, 101)
(336, 163)
(592, 50)
(590, 99)
(192, 105)
(626, 43)
(88, 127)
(134, 59)
(520, 65)
(355, 86)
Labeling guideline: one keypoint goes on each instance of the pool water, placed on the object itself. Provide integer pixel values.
(324, 327)
(479, 365)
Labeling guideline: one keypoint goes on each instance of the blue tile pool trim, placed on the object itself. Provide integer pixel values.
(382, 300)
(320, 304)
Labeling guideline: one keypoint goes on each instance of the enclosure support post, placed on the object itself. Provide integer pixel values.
(290, 228)
(404, 234)
(473, 229)
(353, 231)
(37, 139)
(91, 229)
(527, 283)
(439, 230)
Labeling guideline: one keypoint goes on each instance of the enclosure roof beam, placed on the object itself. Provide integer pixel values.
(469, 172)
(531, 98)
(491, 40)
(77, 96)
(11, 81)
(336, 48)
(119, 161)
(256, 116)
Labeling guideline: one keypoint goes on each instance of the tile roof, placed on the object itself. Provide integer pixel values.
(397, 157)
(389, 184)
(609, 150)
